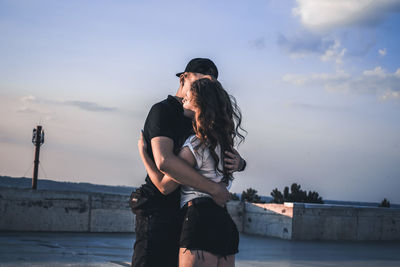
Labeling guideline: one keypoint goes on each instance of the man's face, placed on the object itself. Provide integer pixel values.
(191, 77)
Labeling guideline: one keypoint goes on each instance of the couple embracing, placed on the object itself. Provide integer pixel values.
(187, 148)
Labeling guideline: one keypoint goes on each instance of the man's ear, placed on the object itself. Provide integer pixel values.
(182, 79)
(209, 77)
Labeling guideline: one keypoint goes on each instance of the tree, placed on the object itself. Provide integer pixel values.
(277, 195)
(250, 195)
(285, 192)
(313, 197)
(233, 196)
(295, 195)
(385, 203)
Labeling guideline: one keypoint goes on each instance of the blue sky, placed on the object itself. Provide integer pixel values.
(318, 83)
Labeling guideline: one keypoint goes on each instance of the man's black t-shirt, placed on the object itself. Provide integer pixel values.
(165, 119)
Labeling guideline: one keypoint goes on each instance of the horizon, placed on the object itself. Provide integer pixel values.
(318, 84)
(237, 193)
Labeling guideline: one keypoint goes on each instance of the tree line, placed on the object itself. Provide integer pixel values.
(294, 194)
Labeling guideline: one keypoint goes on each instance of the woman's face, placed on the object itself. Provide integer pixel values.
(188, 107)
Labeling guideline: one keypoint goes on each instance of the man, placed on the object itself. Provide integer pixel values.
(156, 205)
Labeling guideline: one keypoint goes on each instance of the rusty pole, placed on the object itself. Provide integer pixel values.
(37, 140)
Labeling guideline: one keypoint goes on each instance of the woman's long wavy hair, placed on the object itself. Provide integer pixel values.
(217, 121)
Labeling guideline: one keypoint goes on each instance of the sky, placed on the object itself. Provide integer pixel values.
(318, 83)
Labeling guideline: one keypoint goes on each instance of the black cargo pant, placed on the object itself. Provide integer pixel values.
(157, 240)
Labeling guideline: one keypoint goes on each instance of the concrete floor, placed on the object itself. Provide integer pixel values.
(90, 249)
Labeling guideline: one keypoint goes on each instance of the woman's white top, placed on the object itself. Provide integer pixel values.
(205, 165)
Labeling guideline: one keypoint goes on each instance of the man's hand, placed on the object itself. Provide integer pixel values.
(233, 161)
(221, 194)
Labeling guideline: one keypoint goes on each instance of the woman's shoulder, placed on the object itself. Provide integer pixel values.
(195, 145)
(192, 140)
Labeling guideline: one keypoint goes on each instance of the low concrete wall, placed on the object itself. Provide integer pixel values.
(299, 221)
(43, 210)
(338, 222)
(236, 210)
(268, 219)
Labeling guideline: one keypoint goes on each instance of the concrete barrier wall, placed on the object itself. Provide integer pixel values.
(299, 221)
(236, 210)
(268, 219)
(42, 210)
(337, 222)
(45, 210)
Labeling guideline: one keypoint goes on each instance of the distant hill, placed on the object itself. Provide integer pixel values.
(23, 182)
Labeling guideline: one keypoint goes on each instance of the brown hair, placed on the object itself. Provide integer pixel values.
(217, 121)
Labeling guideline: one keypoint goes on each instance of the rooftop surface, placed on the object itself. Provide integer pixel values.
(103, 249)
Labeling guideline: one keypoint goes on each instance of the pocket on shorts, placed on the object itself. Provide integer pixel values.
(191, 217)
(189, 227)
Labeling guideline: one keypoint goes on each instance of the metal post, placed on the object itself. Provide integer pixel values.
(37, 143)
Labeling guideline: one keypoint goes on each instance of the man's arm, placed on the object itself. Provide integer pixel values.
(163, 183)
(173, 166)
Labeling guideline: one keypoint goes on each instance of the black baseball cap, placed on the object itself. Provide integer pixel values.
(201, 65)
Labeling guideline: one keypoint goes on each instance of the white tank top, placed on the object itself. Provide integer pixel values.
(204, 165)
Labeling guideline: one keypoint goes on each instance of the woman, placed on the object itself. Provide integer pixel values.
(209, 236)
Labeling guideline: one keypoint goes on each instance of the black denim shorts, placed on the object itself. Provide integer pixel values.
(209, 227)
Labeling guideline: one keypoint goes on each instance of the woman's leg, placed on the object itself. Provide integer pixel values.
(228, 262)
(197, 258)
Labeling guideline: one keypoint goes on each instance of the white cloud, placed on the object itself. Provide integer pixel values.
(328, 14)
(334, 53)
(378, 71)
(85, 105)
(388, 94)
(382, 52)
(377, 81)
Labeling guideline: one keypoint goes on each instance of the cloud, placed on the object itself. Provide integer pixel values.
(37, 110)
(89, 106)
(376, 81)
(378, 71)
(388, 94)
(304, 43)
(382, 52)
(334, 53)
(85, 105)
(329, 14)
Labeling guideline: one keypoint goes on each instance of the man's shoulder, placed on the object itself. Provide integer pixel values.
(162, 106)
(162, 114)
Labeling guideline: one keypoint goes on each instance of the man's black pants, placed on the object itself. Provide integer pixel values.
(157, 240)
